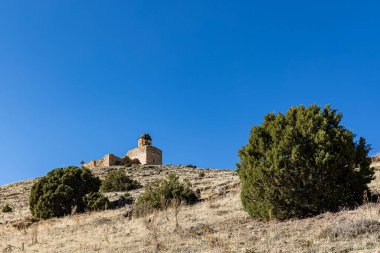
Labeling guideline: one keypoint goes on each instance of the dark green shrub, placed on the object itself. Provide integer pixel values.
(127, 164)
(95, 201)
(7, 209)
(118, 181)
(125, 199)
(302, 164)
(201, 174)
(160, 193)
(57, 193)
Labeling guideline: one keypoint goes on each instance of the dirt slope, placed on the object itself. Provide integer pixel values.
(217, 224)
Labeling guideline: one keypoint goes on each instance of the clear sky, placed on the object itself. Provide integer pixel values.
(80, 79)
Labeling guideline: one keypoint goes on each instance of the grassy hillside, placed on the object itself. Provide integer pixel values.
(217, 224)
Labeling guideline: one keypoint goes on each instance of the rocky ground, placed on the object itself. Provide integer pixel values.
(216, 224)
(214, 182)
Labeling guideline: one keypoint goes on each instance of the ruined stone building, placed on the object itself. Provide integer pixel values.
(145, 153)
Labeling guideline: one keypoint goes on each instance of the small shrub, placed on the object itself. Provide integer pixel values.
(152, 224)
(96, 201)
(7, 209)
(118, 181)
(61, 191)
(201, 174)
(201, 229)
(160, 193)
(302, 164)
(191, 166)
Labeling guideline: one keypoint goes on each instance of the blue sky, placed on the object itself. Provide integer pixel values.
(80, 79)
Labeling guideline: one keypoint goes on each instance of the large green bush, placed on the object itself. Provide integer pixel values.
(118, 181)
(57, 193)
(160, 193)
(302, 164)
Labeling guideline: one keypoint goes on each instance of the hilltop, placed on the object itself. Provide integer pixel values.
(216, 224)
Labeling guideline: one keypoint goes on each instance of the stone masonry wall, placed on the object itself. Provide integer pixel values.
(154, 155)
(106, 161)
(146, 155)
(138, 153)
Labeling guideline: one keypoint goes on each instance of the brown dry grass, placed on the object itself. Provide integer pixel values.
(217, 224)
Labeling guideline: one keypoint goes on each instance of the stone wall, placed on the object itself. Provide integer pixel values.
(153, 155)
(90, 165)
(146, 155)
(138, 153)
(106, 161)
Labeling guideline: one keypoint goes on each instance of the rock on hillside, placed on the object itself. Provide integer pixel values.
(376, 161)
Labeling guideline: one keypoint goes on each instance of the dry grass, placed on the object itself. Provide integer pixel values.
(217, 224)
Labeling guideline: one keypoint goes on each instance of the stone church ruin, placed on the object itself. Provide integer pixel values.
(145, 153)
